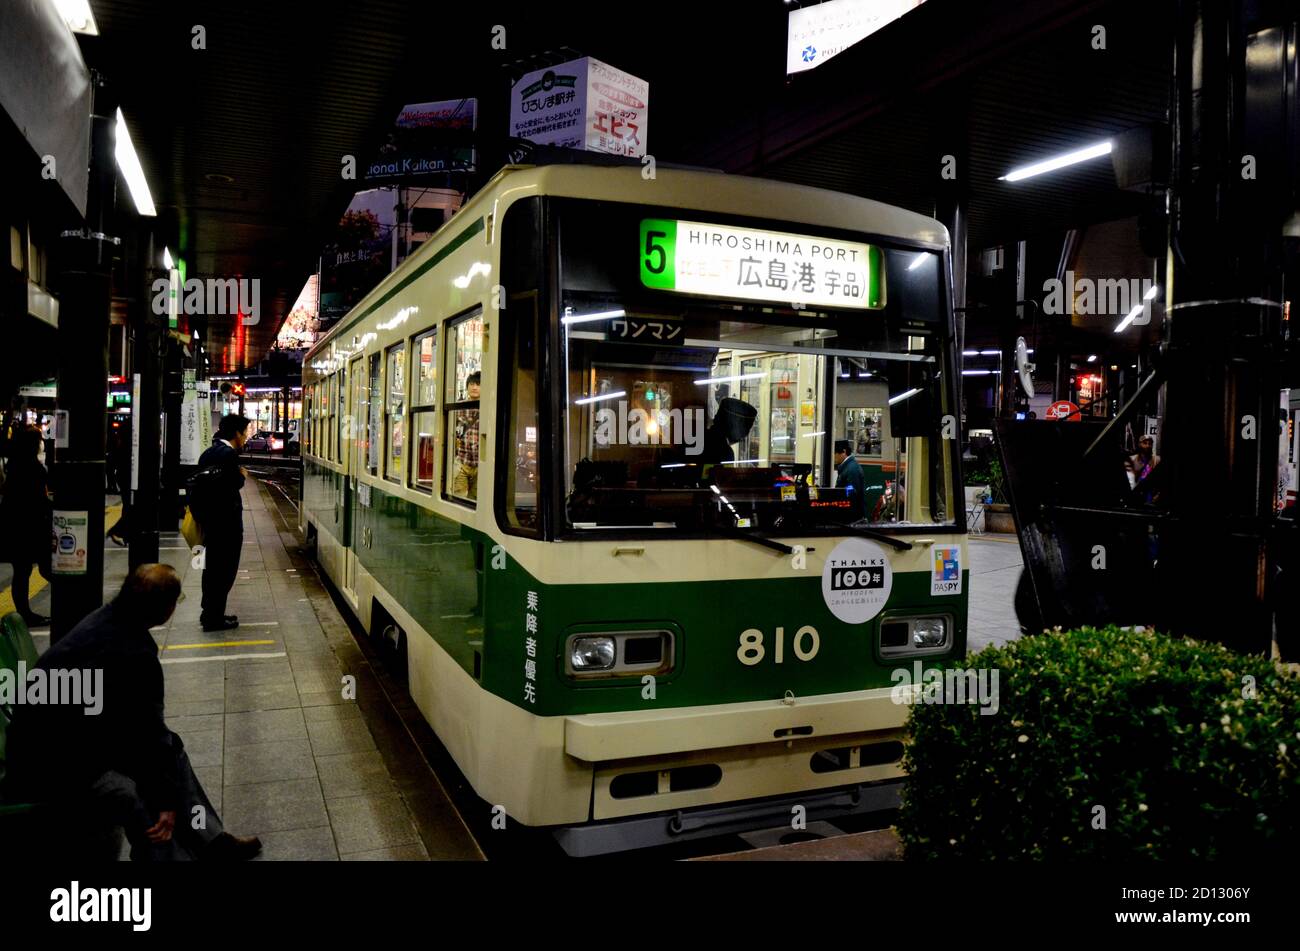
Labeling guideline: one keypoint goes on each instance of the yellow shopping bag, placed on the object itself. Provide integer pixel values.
(191, 529)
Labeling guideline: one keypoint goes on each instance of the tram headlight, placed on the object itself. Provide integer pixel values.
(929, 632)
(592, 653)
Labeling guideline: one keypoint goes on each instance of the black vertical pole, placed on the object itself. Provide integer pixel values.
(147, 362)
(173, 397)
(1219, 440)
(78, 472)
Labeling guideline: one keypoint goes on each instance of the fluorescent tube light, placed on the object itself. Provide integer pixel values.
(132, 171)
(597, 399)
(582, 318)
(1059, 161)
(1132, 315)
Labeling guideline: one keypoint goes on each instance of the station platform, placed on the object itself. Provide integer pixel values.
(995, 566)
(284, 756)
(261, 711)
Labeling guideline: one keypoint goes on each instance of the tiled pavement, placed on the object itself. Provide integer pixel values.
(261, 710)
(995, 565)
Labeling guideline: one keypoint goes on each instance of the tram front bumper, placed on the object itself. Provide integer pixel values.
(652, 761)
(601, 737)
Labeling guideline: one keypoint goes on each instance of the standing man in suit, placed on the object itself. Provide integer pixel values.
(221, 515)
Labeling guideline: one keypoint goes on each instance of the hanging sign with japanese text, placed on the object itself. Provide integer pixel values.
(582, 104)
(692, 257)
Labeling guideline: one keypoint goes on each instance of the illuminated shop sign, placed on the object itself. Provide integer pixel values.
(693, 257)
(820, 31)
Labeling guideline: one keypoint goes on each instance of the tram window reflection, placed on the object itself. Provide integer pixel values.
(737, 430)
(464, 381)
(395, 412)
(423, 419)
(374, 400)
(520, 476)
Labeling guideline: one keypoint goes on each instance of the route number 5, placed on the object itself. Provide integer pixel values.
(652, 249)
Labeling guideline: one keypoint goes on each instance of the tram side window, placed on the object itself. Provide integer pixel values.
(374, 403)
(324, 412)
(342, 428)
(464, 378)
(424, 421)
(395, 410)
(518, 476)
(328, 430)
(304, 436)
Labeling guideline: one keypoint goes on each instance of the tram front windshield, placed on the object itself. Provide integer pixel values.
(686, 413)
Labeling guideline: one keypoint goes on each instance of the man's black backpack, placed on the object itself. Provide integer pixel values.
(202, 491)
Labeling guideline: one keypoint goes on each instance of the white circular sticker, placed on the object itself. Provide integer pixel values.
(856, 580)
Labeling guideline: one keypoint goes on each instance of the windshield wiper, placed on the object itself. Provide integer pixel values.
(729, 532)
(890, 540)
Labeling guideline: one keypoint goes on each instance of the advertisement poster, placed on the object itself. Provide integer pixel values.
(71, 529)
(818, 32)
(196, 423)
(582, 104)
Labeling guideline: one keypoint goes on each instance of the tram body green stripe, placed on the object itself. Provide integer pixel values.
(441, 572)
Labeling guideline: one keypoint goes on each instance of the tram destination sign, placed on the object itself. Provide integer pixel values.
(694, 257)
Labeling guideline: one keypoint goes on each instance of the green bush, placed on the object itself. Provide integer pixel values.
(1158, 731)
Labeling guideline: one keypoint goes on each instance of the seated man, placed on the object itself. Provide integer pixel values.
(117, 752)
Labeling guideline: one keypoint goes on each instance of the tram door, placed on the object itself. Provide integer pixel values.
(354, 461)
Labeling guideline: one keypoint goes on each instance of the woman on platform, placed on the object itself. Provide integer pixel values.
(27, 518)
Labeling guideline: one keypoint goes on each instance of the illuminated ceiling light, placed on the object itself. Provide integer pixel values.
(168, 263)
(731, 379)
(583, 318)
(970, 353)
(811, 435)
(1129, 318)
(1092, 358)
(990, 353)
(597, 399)
(906, 394)
(76, 13)
(1059, 161)
(918, 261)
(1151, 294)
(132, 171)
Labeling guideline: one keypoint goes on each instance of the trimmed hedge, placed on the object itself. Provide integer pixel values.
(1155, 730)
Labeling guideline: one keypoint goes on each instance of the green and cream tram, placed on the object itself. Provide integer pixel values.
(576, 458)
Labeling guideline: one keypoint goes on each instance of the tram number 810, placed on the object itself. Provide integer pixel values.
(806, 643)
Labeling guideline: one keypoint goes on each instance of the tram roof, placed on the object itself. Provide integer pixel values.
(690, 189)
